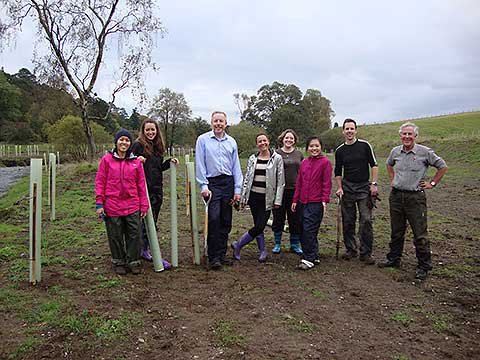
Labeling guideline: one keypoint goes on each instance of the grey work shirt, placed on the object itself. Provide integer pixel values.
(411, 166)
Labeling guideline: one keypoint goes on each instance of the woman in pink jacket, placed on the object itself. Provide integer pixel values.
(121, 200)
(312, 193)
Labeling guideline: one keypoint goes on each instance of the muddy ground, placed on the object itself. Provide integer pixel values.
(339, 310)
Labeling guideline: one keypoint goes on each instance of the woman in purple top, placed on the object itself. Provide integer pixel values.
(312, 193)
(292, 158)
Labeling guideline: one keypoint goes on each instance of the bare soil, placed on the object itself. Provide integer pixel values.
(338, 310)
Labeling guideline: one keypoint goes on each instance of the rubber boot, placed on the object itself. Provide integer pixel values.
(295, 244)
(145, 252)
(277, 235)
(237, 245)
(166, 264)
(261, 248)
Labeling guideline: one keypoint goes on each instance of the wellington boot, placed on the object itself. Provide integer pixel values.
(237, 245)
(277, 235)
(261, 248)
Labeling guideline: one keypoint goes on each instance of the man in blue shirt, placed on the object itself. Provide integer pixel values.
(219, 174)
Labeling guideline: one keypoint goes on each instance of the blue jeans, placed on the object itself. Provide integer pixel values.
(311, 215)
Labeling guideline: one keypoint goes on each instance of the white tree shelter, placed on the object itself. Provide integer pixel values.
(79, 34)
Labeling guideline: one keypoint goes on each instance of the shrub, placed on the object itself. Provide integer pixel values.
(68, 136)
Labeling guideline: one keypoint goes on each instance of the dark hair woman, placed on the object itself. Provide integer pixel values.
(150, 149)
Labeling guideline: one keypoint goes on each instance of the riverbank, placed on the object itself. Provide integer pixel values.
(10, 175)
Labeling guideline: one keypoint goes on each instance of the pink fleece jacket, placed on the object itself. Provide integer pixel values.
(120, 186)
(314, 181)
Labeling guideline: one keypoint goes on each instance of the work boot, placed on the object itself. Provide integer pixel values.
(277, 235)
(367, 259)
(237, 245)
(295, 244)
(349, 255)
(136, 270)
(261, 247)
(145, 254)
(120, 269)
(389, 264)
(226, 261)
(421, 274)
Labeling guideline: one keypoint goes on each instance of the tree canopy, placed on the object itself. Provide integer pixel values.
(278, 106)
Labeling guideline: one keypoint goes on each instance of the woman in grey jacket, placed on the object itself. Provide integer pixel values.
(262, 190)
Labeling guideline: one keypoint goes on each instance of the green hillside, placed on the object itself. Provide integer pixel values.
(455, 137)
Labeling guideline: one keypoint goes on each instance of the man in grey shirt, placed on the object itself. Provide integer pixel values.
(407, 166)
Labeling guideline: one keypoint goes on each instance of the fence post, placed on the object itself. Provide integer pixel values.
(193, 213)
(149, 222)
(35, 220)
(173, 213)
(52, 184)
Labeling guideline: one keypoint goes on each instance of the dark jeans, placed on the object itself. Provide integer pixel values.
(260, 215)
(219, 216)
(350, 203)
(286, 210)
(156, 200)
(412, 207)
(311, 216)
(124, 239)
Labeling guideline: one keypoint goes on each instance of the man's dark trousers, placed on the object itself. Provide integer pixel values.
(219, 216)
(409, 206)
(350, 201)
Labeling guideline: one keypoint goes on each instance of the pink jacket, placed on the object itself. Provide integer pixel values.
(120, 186)
(314, 181)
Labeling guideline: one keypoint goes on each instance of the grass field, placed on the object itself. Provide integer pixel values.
(454, 137)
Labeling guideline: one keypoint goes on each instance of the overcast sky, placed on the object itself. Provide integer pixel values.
(375, 60)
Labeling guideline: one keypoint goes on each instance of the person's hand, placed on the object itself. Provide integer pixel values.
(339, 193)
(425, 185)
(236, 197)
(324, 208)
(275, 206)
(141, 158)
(100, 213)
(373, 190)
(205, 193)
(294, 207)
(175, 161)
(143, 214)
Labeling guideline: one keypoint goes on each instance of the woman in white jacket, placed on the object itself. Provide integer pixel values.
(262, 190)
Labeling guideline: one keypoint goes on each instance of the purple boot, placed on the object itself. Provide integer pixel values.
(261, 247)
(166, 265)
(145, 252)
(237, 245)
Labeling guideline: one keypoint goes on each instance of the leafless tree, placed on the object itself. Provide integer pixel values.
(79, 34)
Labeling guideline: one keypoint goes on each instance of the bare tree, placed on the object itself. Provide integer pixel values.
(79, 34)
(170, 108)
(242, 102)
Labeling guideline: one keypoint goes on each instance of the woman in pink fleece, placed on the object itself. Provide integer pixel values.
(121, 200)
(312, 193)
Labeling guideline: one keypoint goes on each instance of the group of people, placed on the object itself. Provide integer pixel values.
(278, 181)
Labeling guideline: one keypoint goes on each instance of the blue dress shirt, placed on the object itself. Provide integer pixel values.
(215, 157)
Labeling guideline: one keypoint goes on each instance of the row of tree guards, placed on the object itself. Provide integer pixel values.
(36, 167)
(26, 150)
(35, 214)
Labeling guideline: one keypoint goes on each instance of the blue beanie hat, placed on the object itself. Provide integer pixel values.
(120, 133)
